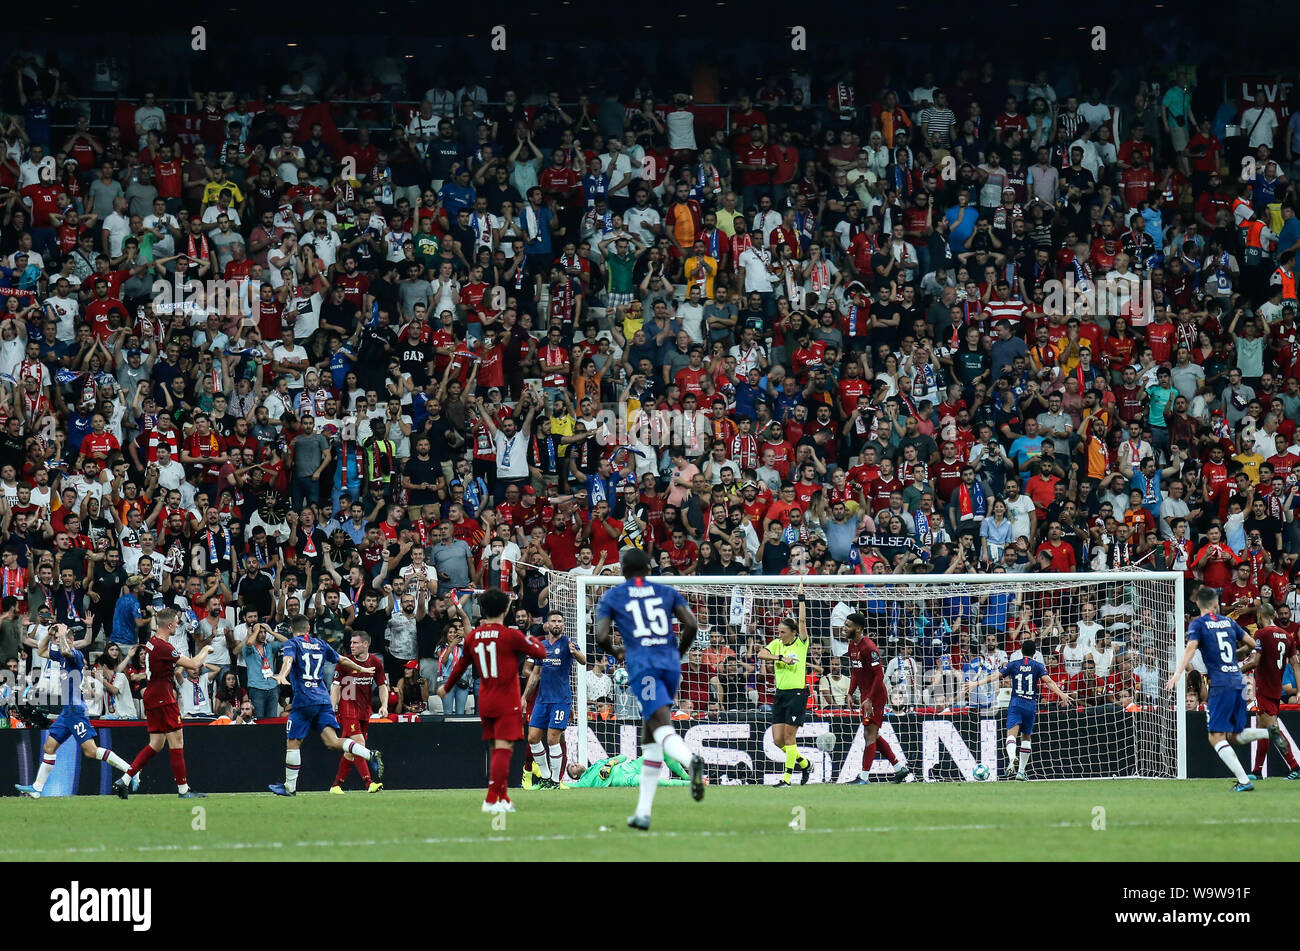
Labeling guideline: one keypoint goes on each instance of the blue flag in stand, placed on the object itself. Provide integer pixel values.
(67, 376)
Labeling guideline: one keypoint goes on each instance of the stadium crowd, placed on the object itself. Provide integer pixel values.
(255, 367)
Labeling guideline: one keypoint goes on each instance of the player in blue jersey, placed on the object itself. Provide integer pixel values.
(1222, 643)
(302, 660)
(56, 647)
(1028, 676)
(550, 679)
(643, 612)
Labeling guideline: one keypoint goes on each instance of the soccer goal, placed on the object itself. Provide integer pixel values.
(1109, 639)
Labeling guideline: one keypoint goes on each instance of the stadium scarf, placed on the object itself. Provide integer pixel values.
(15, 583)
(563, 307)
(1178, 554)
(36, 370)
(35, 407)
(473, 495)
(1148, 489)
(570, 261)
(72, 604)
(261, 552)
(923, 382)
(308, 544)
(853, 321)
(744, 450)
(1082, 384)
(196, 250)
(708, 177)
(887, 541)
(381, 460)
(970, 499)
(172, 442)
(819, 277)
(923, 528)
(509, 448)
(1255, 557)
(1082, 274)
(803, 222)
(711, 239)
(532, 225)
(605, 221)
(212, 544)
(1121, 554)
(482, 229)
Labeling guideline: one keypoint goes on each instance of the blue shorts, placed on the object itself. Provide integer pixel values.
(313, 719)
(654, 687)
(72, 723)
(1022, 715)
(550, 714)
(1228, 713)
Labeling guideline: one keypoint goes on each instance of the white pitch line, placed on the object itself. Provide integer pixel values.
(592, 836)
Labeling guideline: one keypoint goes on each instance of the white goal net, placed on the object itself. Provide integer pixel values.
(1110, 640)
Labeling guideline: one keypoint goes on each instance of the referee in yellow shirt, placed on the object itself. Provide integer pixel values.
(789, 656)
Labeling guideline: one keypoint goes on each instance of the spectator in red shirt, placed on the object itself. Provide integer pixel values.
(1059, 552)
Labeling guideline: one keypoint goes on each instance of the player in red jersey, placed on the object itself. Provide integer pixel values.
(160, 707)
(868, 679)
(351, 693)
(495, 650)
(1274, 649)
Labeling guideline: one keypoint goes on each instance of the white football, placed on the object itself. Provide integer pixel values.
(980, 772)
(620, 677)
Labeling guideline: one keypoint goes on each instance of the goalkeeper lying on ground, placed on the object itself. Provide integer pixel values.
(619, 771)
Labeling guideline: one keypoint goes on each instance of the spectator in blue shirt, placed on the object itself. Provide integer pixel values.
(537, 223)
(128, 617)
(458, 193)
(1028, 447)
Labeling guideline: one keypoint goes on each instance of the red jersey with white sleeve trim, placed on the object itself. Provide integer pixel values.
(356, 691)
(495, 651)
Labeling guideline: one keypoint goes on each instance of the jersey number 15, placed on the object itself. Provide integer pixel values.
(650, 616)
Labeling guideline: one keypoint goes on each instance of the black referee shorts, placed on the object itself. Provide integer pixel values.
(790, 706)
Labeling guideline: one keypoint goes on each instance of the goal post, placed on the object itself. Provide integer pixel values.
(1110, 639)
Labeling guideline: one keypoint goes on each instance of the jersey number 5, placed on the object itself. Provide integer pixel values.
(650, 616)
(1227, 652)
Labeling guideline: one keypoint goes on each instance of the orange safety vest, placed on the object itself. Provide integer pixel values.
(1287, 282)
(1239, 203)
(1252, 232)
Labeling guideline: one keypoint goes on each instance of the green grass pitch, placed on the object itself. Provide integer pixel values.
(1142, 820)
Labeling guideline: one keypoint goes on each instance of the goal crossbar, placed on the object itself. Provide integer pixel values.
(584, 601)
